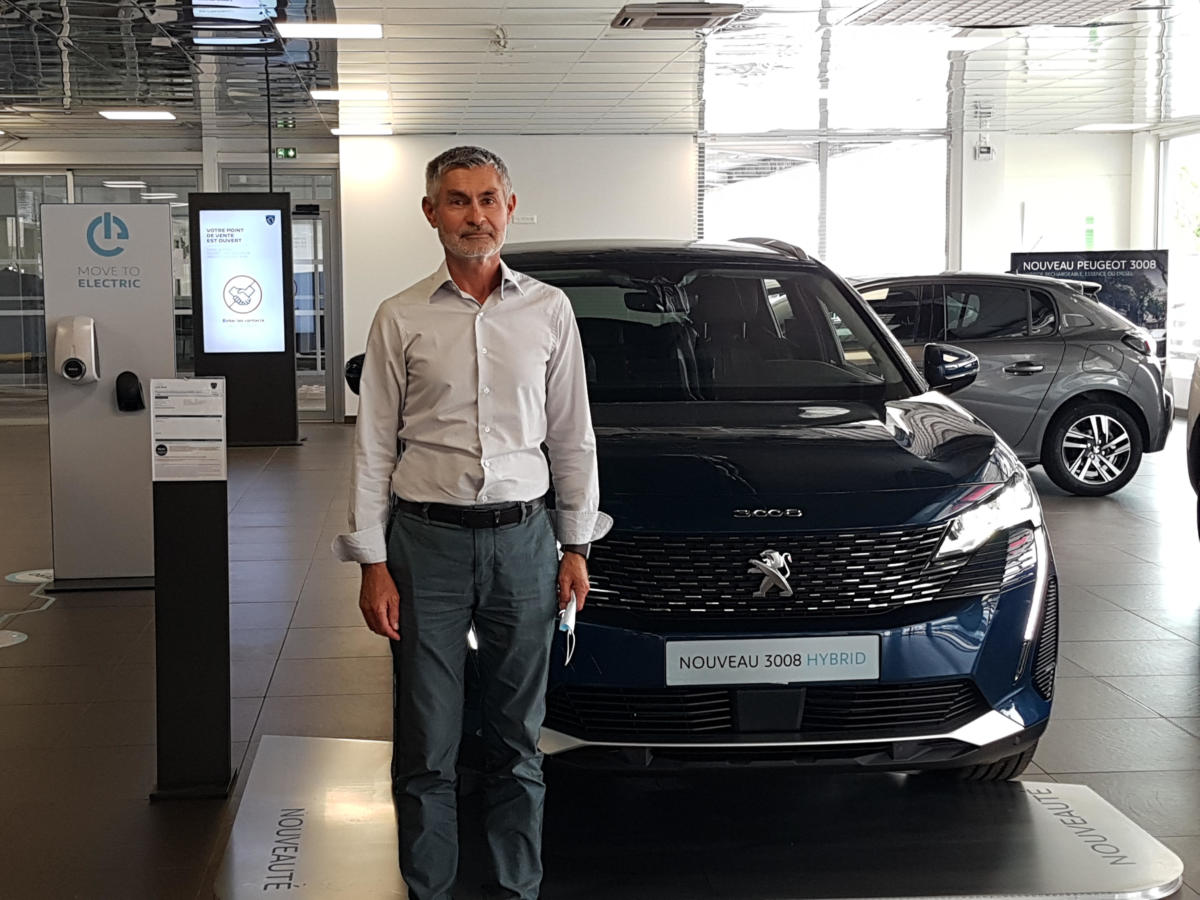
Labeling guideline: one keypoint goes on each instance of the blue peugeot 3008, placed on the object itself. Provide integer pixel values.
(819, 559)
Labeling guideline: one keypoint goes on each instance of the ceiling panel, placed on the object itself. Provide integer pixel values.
(783, 66)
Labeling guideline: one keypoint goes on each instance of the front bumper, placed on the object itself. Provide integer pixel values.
(989, 738)
(612, 707)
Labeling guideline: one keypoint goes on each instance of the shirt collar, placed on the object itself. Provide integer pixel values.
(441, 279)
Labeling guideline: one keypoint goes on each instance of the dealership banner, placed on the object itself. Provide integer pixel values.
(1133, 282)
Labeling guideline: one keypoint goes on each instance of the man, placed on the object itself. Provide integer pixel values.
(473, 369)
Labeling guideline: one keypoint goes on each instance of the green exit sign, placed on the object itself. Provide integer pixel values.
(285, 152)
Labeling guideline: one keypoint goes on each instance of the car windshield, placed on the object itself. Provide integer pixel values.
(708, 334)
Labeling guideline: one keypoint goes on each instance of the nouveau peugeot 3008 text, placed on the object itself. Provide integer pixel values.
(817, 559)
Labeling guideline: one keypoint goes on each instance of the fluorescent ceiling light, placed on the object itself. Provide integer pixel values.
(160, 196)
(137, 114)
(361, 129)
(1115, 126)
(255, 13)
(328, 30)
(231, 41)
(349, 94)
(124, 184)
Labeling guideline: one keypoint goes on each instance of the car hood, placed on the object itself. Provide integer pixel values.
(844, 465)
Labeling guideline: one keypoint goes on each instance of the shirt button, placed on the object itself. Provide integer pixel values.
(486, 464)
(484, 351)
(487, 429)
(487, 390)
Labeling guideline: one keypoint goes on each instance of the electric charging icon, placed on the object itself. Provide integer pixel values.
(242, 294)
(110, 222)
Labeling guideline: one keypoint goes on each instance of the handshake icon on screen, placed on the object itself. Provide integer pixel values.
(242, 294)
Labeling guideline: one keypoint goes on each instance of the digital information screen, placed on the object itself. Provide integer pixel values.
(241, 265)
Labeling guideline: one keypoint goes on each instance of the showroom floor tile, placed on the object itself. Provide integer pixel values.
(76, 699)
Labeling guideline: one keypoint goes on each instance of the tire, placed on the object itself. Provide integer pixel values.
(1001, 770)
(1092, 449)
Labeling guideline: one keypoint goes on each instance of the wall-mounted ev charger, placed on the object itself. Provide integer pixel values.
(76, 357)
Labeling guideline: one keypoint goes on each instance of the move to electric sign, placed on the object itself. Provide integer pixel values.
(106, 236)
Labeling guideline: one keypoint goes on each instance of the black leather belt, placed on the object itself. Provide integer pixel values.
(473, 516)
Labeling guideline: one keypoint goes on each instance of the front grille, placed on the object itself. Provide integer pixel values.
(883, 707)
(831, 573)
(599, 711)
(596, 713)
(1046, 658)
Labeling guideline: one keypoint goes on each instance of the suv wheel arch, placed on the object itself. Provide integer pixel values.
(1087, 430)
(1110, 397)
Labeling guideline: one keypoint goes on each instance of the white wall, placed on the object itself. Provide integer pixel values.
(578, 187)
(1038, 191)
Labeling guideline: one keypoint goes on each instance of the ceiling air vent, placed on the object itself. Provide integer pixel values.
(676, 16)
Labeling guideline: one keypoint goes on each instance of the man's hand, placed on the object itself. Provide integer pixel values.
(379, 600)
(572, 576)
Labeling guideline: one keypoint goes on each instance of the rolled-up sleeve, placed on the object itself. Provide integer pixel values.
(570, 438)
(380, 403)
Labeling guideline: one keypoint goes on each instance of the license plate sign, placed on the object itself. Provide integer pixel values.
(773, 660)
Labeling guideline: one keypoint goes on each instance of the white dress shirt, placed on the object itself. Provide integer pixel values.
(472, 391)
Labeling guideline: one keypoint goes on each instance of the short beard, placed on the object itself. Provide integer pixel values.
(468, 249)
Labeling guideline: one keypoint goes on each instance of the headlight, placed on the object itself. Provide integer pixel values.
(1011, 504)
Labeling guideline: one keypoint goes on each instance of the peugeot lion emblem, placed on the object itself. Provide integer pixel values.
(774, 569)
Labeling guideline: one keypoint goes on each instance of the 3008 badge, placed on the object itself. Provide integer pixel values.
(767, 513)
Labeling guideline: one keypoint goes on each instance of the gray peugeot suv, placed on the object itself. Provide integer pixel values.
(1066, 381)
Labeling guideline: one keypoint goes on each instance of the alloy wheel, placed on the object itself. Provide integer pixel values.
(1096, 449)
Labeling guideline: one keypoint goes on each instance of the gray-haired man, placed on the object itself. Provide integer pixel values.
(472, 369)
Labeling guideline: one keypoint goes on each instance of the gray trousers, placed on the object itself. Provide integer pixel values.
(501, 580)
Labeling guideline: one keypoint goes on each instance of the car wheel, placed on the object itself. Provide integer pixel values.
(1092, 449)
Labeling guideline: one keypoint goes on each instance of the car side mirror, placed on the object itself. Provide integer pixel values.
(949, 368)
(354, 371)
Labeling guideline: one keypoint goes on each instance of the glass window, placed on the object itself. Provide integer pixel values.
(777, 299)
(650, 334)
(303, 186)
(879, 223)
(875, 222)
(749, 191)
(898, 309)
(1179, 232)
(1043, 318)
(22, 297)
(986, 312)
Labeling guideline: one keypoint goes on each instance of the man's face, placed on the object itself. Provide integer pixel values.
(471, 212)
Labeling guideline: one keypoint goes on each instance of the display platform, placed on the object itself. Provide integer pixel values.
(316, 821)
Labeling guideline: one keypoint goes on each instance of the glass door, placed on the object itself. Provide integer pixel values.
(316, 376)
(22, 304)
